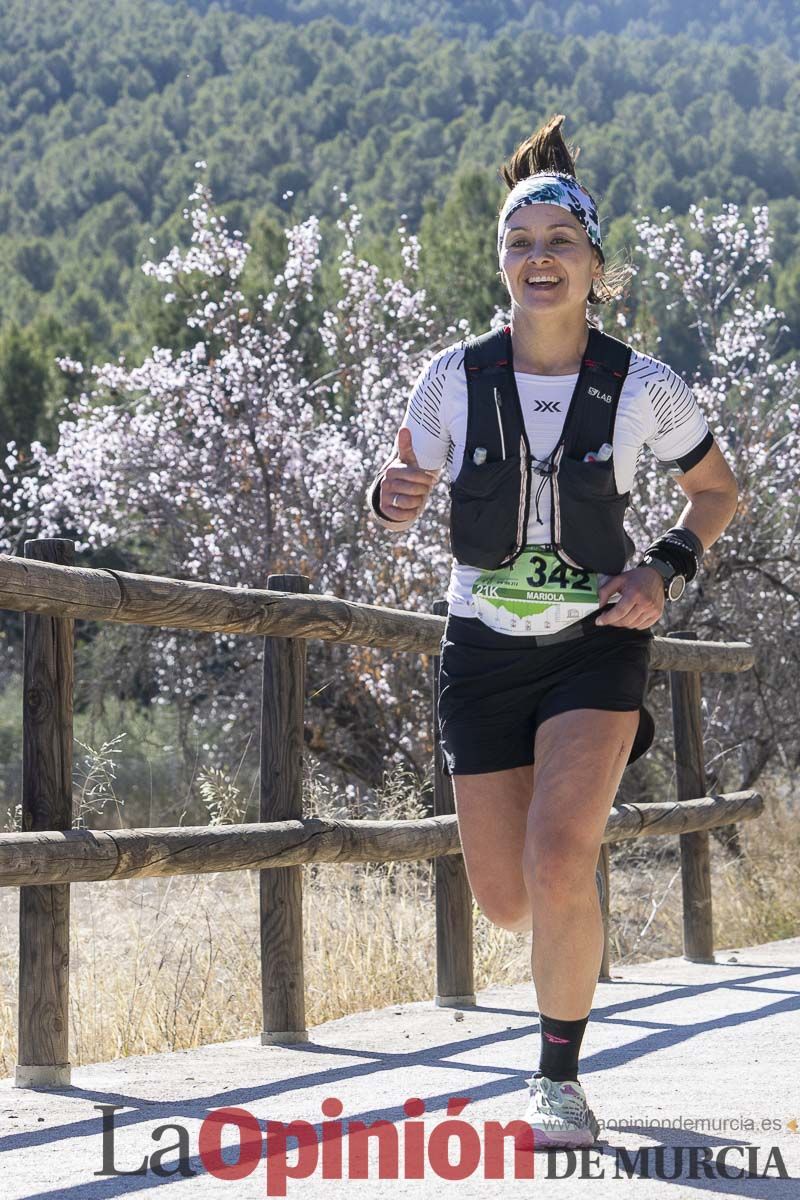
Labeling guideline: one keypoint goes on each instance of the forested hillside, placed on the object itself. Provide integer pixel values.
(737, 21)
(104, 110)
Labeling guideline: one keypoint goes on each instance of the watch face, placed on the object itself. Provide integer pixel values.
(676, 587)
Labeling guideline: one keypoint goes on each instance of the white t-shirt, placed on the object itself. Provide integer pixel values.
(656, 408)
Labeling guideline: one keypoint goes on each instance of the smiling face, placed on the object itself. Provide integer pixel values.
(544, 241)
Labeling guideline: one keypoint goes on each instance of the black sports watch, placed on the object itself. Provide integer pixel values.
(674, 583)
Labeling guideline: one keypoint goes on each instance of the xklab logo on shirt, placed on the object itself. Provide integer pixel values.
(602, 395)
(548, 406)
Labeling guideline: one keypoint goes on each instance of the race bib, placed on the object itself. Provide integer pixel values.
(537, 594)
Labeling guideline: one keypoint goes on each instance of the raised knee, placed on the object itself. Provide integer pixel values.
(517, 920)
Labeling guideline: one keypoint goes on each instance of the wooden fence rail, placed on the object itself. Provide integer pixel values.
(48, 855)
(101, 855)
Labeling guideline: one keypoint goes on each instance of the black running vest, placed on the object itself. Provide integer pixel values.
(490, 502)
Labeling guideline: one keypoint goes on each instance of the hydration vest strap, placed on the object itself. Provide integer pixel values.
(593, 412)
(493, 420)
(487, 350)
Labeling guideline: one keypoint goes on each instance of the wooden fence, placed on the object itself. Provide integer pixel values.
(48, 855)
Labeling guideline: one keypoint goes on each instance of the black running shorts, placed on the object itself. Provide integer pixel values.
(495, 688)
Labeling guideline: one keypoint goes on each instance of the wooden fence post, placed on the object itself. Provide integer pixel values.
(281, 890)
(687, 724)
(455, 984)
(47, 680)
(603, 880)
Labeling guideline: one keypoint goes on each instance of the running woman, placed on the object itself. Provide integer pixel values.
(545, 653)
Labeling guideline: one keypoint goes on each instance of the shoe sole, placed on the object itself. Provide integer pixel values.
(548, 1139)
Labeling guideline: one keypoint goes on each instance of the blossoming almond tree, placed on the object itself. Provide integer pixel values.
(240, 458)
(711, 273)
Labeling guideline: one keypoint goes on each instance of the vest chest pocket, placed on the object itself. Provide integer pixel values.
(590, 512)
(485, 504)
(588, 479)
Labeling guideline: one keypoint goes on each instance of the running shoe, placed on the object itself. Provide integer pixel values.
(558, 1115)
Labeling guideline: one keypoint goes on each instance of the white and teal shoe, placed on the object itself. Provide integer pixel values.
(558, 1115)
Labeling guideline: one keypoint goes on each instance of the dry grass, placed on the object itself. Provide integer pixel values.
(754, 899)
(168, 964)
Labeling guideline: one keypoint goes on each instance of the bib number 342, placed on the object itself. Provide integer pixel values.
(560, 575)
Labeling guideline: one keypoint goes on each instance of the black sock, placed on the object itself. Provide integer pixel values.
(560, 1047)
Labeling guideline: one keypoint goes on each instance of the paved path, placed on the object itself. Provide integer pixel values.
(716, 1047)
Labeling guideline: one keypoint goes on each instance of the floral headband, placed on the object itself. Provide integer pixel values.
(553, 187)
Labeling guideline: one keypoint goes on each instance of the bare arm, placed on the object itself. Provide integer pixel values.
(713, 496)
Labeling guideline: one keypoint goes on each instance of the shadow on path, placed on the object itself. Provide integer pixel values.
(663, 1034)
